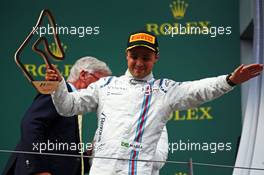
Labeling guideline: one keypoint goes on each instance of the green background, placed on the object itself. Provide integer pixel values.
(184, 57)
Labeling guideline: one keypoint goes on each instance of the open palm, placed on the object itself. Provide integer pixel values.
(244, 73)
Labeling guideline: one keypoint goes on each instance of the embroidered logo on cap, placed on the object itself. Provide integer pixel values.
(142, 37)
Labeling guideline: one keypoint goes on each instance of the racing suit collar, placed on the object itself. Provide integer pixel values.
(146, 79)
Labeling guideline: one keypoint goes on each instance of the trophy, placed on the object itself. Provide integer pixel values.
(44, 87)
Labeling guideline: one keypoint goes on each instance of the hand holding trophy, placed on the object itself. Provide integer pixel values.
(52, 74)
(44, 87)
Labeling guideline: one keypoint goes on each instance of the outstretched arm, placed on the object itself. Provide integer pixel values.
(190, 94)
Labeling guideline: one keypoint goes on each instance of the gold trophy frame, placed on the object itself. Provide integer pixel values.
(44, 87)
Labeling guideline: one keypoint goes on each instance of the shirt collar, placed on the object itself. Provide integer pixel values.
(72, 87)
(147, 78)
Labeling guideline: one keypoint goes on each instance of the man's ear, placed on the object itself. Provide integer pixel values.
(156, 58)
(126, 54)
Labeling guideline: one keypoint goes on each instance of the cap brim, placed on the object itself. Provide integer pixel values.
(142, 45)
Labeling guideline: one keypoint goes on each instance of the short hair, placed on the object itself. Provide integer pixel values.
(89, 64)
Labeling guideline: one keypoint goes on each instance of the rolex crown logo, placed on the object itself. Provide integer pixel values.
(180, 173)
(178, 8)
(55, 50)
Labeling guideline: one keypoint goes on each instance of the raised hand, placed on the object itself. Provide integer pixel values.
(244, 73)
(52, 73)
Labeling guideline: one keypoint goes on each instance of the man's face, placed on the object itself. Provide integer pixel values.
(88, 78)
(140, 61)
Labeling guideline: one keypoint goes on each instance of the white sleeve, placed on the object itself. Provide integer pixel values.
(181, 96)
(162, 150)
(77, 102)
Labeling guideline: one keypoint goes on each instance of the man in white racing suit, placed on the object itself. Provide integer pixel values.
(133, 109)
